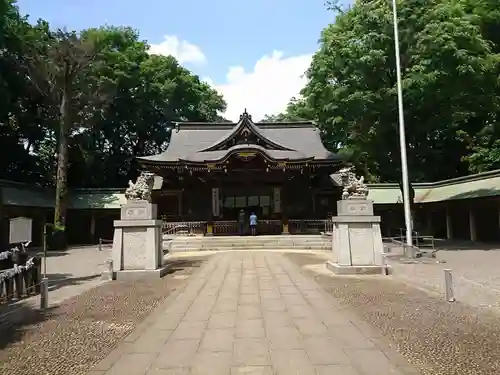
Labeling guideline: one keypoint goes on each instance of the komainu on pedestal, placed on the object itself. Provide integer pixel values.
(353, 187)
(137, 249)
(357, 246)
(141, 189)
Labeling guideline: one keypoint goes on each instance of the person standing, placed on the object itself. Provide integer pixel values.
(253, 223)
(241, 222)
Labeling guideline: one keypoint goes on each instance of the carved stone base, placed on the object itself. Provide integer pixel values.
(355, 206)
(357, 270)
(138, 210)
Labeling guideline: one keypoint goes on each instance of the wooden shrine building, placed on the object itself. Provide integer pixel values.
(211, 171)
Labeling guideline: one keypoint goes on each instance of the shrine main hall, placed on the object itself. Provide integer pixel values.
(212, 171)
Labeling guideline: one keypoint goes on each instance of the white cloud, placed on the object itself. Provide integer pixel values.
(182, 50)
(265, 90)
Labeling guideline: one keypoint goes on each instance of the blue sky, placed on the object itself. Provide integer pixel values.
(214, 38)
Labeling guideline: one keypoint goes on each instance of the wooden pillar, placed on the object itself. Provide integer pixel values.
(498, 209)
(215, 210)
(449, 226)
(313, 195)
(179, 202)
(279, 198)
(3, 231)
(430, 221)
(497, 234)
(92, 227)
(472, 226)
(43, 229)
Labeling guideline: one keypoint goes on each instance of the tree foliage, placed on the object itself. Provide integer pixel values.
(89, 101)
(450, 68)
(121, 101)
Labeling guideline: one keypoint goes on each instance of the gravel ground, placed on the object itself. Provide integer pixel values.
(475, 275)
(76, 335)
(439, 337)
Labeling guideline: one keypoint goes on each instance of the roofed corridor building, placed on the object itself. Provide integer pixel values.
(279, 171)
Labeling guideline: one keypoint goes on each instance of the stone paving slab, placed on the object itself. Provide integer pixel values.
(252, 313)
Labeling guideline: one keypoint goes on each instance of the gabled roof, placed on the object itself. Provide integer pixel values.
(199, 142)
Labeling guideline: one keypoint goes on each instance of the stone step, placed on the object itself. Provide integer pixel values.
(252, 243)
(283, 247)
(257, 238)
(283, 242)
(247, 244)
(176, 248)
(241, 243)
(180, 250)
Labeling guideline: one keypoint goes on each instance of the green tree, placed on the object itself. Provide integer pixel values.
(484, 147)
(22, 129)
(81, 106)
(296, 110)
(57, 65)
(150, 94)
(449, 82)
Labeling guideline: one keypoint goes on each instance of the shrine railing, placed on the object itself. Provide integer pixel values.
(231, 227)
(309, 226)
(270, 226)
(225, 227)
(184, 227)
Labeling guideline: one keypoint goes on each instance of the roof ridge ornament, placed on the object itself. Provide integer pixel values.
(245, 114)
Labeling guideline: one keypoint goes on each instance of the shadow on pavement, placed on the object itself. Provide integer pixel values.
(179, 265)
(60, 280)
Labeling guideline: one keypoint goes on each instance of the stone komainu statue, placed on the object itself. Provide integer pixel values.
(141, 190)
(352, 186)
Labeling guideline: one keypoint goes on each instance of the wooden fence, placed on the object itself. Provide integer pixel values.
(20, 275)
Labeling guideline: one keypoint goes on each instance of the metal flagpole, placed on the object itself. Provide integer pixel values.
(402, 136)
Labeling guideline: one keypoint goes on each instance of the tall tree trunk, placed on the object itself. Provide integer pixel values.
(62, 157)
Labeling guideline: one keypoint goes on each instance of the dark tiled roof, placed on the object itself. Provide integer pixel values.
(197, 142)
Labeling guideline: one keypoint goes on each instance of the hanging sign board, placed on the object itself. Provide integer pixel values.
(215, 202)
(20, 229)
(277, 200)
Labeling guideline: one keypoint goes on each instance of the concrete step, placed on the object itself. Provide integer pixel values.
(250, 245)
(230, 243)
(260, 237)
(180, 250)
(290, 242)
(283, 247)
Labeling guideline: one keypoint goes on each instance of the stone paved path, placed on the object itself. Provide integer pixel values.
(249, 313)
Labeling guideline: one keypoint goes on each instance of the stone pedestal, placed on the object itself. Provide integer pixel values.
(137, 242)
(356, 239)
